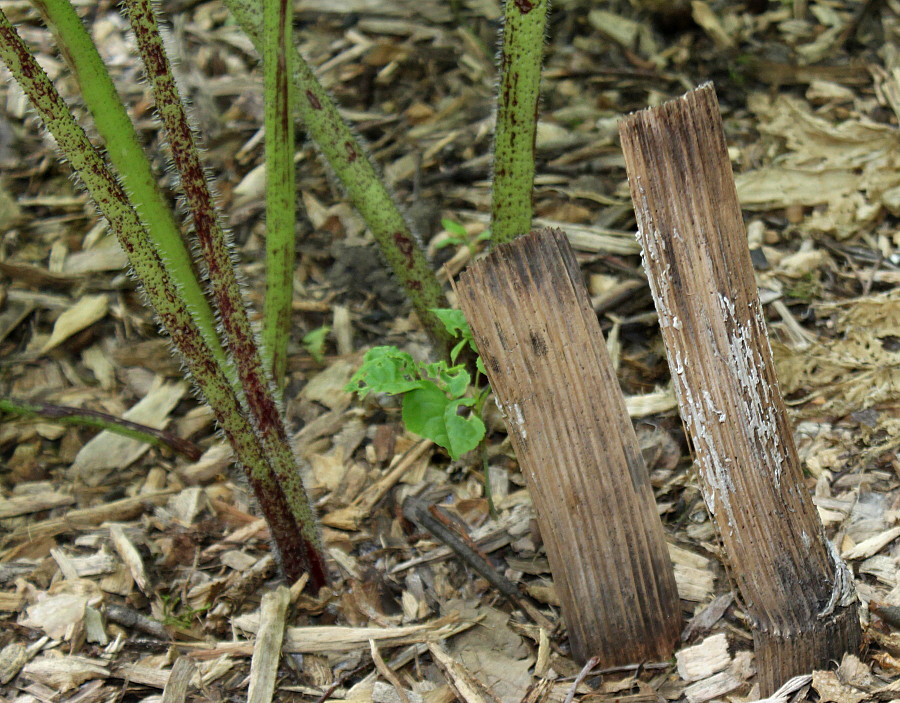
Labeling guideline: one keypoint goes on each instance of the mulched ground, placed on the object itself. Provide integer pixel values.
(135, 574)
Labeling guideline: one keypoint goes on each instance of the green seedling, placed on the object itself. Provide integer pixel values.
(433, 393)
(314, 343)
(174, 615)
(458, 236)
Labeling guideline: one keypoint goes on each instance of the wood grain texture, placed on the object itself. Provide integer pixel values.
(548, 366)
(795, 587)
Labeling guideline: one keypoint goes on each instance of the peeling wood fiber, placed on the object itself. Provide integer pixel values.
(794, 586)
(551, 374)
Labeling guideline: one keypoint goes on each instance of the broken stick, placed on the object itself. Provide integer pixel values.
(795, 588)
(549, 369)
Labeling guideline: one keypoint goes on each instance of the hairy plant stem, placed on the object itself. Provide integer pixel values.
(517, 105)
(280, 186)
(124, 150)
(226, 293)
(399, 246)
(298, 553)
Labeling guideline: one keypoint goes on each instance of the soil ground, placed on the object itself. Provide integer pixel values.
(130, 573)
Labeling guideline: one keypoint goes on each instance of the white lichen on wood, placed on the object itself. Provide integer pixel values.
(759, 409)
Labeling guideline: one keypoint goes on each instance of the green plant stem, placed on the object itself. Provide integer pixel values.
(298, 554)
(64, 415)
(280, 186)
(124, 150)
(400, 247)
(239, 334)
(517, 105)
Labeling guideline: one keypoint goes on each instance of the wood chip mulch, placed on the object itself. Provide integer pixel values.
(135, 574)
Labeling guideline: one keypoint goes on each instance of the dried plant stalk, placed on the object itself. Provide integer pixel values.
(796, 589)
(548, 366)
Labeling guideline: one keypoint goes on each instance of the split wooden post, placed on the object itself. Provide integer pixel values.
(796, 590)
(552, 377)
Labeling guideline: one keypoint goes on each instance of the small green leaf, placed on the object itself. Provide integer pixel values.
(423, 413)
(454, 228)
(457, 380)
(314, 342)
(454, 353)
(454, 321)
(385, 370)
(428, 412)
(464, 433)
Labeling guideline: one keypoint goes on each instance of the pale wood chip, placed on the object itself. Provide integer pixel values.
(267, 649)
(113, 451)
(238, 560)
(93, 627)
(22, 505)
(215, 461)
(651, 403)
(151, 676)
(349, 518)
(66, 567)
(131, 556)
(312, 640)
(64, 673)
(460, 680)
(693, 577)
(179, 680)
(103, 562)
(55, 614)
(387, 693)
(12, 658)
(187, 504)
(390, 676)
(831, 688)
(714, 687)
(118, 510)
(342, 330)
(873, 545)
(239, 536)
(704, 659)
(83, 314)
(11, 602)
(786, 692)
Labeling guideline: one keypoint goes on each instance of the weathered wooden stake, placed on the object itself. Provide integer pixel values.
(796, 590)
(548, 366)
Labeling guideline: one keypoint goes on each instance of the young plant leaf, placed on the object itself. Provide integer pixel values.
(454, 321)
(385, 370)
(463, 433)
(423, 413)
(314, 342)
(454, 228)
(428, 411)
